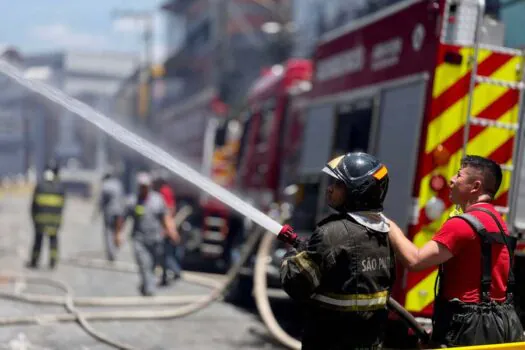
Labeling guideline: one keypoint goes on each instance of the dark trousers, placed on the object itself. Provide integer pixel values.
(331, 330)
(459, 324)
(40, 232)
(172, 255)
(146, 255)
(110, 225)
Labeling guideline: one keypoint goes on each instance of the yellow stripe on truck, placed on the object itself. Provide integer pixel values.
(447, 74)
(422, 294)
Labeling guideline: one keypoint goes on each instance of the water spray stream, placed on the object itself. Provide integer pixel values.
(142, 146)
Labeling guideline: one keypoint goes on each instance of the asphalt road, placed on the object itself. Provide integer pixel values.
(219, 326)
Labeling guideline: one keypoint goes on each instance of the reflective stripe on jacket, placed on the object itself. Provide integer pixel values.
(48, 204)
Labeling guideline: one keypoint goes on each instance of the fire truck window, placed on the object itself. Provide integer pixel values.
(244, 140)
(266, 129)
(220, 136)
(317, 139)
(353, 127)
(400, 118)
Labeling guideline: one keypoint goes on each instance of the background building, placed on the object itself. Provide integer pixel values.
(13, 136)
(56, 133)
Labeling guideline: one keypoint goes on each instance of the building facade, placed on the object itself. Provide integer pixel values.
(13, 126)
(57, 133)
(220, 54)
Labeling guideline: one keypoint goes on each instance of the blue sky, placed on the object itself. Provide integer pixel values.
(44, 25)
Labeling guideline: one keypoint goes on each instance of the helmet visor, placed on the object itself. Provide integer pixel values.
(331, 166)
(330, 172)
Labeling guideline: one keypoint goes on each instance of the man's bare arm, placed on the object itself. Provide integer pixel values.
(414, 258)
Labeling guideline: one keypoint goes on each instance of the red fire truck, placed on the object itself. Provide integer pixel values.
(416, 85)
(252, 143)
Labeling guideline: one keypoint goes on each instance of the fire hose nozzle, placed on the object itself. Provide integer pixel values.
(287, 235)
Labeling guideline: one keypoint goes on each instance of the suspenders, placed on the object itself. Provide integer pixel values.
(487, 239)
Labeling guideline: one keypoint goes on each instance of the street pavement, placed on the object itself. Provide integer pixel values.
(219, 326)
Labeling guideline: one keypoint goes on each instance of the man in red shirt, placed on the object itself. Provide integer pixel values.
(172, 256)
(474, 304)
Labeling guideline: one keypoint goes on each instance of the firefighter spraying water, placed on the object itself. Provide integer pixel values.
(346, 270)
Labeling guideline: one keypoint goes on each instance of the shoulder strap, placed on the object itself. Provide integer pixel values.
(486, 253)
(509, 241)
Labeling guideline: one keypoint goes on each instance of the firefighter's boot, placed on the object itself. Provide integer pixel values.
(33, 262)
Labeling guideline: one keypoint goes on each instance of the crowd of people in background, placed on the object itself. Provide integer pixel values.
(154, 235)
(151, 208)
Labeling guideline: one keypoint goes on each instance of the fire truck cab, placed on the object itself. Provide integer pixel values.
(246, 156)
(418, 96)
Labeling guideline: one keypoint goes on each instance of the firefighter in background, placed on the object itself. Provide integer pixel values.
(46, 211)
(172, 253)
(150, 220)
(111, 204)
(474, 304)
(345, 271)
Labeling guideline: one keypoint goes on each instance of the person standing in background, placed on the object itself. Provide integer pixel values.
(46, 211)
(172, 254)
(112, 206)
(150, 220)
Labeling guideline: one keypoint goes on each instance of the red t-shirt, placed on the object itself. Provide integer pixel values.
(167, 194)
(462, 273)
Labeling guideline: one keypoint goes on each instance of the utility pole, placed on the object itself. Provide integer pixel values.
(222, 49)
(144, 18)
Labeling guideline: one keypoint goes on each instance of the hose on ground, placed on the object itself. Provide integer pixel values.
(74, 314)
(218, 292)
(261, 295)
(82, 318)
(123, 266)
(103, 301)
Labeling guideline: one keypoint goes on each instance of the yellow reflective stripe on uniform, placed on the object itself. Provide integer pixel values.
(50, 231)
(353, 302)
(139, 210)
(303, 261)
(47, 218)
(49, 200)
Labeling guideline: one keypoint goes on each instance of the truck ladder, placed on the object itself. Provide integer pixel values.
(518, 128)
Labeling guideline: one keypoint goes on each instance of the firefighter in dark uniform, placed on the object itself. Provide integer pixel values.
(345, 271)
(46, 212)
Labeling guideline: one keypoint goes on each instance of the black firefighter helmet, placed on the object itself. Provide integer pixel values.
(365, 177)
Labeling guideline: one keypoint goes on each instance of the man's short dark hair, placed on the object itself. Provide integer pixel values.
(490, 170)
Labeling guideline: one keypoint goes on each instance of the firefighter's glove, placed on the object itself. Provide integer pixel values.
(287, 235)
